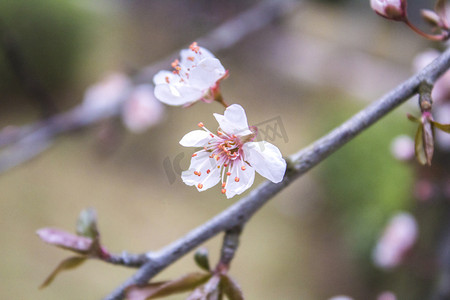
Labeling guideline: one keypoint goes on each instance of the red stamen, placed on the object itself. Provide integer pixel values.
(236, 179)
(200, 185)
(243, 168)
(201, 124)
(224, 191)
(228, 173)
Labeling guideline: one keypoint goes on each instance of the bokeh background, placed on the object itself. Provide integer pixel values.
(313, 69)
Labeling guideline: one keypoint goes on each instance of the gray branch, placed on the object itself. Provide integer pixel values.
(299, 163)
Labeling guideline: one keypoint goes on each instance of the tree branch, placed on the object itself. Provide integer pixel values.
(299, 163)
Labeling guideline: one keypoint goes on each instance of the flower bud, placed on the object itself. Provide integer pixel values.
(390, 9)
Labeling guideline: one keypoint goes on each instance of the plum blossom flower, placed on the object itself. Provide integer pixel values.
(196, 76)
(230, 155)
(142, 110)
(390, 9)
(398, 238)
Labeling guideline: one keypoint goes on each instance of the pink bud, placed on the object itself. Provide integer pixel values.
(390, 9)
(398, 237)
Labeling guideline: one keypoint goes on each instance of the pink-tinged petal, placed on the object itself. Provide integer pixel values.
(266, 159)
(177, 95)
(206, 73)
(234, 121)
(163, 76)
(241, 178)
(203, 172)
(196, 138)
(142, 110)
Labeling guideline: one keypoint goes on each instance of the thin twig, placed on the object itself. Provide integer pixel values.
(299, 163)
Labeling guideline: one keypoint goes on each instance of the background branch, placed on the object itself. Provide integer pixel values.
(299, 163)
(29, 141)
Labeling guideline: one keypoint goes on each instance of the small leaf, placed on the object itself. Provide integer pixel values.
(65, 240)
(210, 291)
(231, 288)
(67, 264)
(157, 290)
(419, 149)
(413, 119)
(428, 139)
(430, 17)
(443, 127)
(201, 258)
(441, 9)
(87, 223)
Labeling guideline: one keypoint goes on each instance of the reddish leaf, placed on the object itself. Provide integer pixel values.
(65, 240)
(428, 140)
(419, 149)
(231, 288)
(67, 264)
(443, 127)
(430, 17)
(161, 289)
(441, 9)
(413, 119)
(210, 291)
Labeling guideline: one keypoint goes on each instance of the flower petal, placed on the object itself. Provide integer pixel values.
(196, 138)
(177, 95)
(245, 179)
(207, 168)
(189, 58)
(234, 121)
(266, 159)
(162, 76)
(205, 74)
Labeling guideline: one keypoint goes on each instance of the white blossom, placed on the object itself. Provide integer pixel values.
(230, 155)
(196, 76)
(142, 110)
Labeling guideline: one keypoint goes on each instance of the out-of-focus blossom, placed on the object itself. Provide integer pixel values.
(398, 237)
(402, 148)
(142, 110)
(441, 89)
(424, 190)
(390, 9)
(106, 96)
(387, 296)
(442, 115)
(196, 76)
(340, 298)
(230, 155)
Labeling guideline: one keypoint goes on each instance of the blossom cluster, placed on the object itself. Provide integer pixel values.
(229, 155)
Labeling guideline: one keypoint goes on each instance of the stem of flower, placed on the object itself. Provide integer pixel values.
(438, 37)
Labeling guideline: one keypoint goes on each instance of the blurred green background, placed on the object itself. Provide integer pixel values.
(313, 69)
